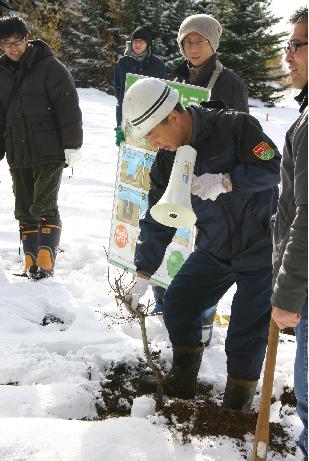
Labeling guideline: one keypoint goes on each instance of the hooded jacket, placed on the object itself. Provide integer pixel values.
(236, 226)
(290, 256)
(39, 108)
(228, 87)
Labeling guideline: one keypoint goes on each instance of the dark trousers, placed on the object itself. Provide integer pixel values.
(36, 192)
(201, 282)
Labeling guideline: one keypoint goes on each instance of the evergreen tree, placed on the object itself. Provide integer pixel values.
(71, 37)
(96, 51)
(176, 12)
(217, 9)
(43, 19)
(3, 8)
(130, 15)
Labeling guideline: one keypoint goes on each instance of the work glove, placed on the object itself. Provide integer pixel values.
(209, 186)
(137, 292)
(119, 135)
(72, 157)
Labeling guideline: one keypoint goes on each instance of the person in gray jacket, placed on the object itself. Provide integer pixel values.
(290, 258)
(40, 132)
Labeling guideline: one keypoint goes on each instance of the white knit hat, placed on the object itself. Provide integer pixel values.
(146, 103)
(203, 24)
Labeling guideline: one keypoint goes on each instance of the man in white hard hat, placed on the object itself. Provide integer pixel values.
(198, 40)
(234, 244)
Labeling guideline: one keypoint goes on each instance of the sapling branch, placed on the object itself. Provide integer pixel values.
(120, 290)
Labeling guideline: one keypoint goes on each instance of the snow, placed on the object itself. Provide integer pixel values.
(50, 375)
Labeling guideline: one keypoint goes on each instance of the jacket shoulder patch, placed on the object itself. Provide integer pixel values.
(263, 151)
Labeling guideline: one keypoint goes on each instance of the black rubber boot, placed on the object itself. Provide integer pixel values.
(238, 394)
(30, 242)
(180, 382)
(49, 238)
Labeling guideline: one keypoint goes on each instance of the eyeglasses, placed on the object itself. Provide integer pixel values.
(293, 47)
(199, 43)
(138, 41)
(9, 45)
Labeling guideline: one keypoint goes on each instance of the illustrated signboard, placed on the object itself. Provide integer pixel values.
(131, 198)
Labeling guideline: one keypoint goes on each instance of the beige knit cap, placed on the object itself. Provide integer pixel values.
(203, 24)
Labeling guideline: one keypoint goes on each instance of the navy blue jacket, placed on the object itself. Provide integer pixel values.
(236, 226)
(150, 67)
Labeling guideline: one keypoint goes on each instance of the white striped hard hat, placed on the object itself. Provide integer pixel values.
(146, 103)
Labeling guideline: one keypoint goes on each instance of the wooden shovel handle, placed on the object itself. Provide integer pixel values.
(261, 438)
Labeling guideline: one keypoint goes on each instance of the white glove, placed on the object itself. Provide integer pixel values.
(72, 157)
(137, 291)
(209, 186)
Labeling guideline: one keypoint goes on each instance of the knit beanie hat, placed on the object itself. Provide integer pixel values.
(142, 33)
(203, 24)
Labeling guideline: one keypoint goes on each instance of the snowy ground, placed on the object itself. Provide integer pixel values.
(50, 375)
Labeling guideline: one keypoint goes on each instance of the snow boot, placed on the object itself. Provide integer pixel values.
(238, 394)
(29, 239)
(49, 237)
(181, 381)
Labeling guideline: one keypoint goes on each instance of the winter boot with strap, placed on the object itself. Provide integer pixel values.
(49, 238)
(29, 239)
(238, 394)
(181, 381)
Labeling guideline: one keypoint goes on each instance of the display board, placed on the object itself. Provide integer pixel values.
(131, 198)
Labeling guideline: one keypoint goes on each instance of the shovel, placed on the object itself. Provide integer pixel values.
(261, 438)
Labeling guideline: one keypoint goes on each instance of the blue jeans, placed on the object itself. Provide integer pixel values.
(301, 376)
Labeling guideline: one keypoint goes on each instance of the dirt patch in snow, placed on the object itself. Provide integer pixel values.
(201, 417)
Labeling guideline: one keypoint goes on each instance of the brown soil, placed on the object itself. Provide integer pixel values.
(288, 397)
(200, 417)
(288, 331)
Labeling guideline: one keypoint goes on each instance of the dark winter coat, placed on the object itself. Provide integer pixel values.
(228, 86)
(39, 109)
(236, 226)
(291, 229)
(150, 67)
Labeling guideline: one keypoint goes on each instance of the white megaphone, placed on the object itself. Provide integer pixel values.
(174, 209)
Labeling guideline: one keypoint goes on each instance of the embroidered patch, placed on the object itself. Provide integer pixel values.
(263, 151)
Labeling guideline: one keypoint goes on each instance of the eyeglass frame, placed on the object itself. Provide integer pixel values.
(188, 42)
(139, 41)
(292, 47)
(10, 45)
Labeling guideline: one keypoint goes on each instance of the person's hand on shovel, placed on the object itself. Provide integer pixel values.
(285, 319)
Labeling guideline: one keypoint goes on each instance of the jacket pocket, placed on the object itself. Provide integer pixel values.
(47, 139)
(254, 233)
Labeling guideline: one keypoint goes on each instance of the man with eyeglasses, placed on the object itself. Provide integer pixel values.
(40, 132)
(198, 40)
(138, 59)
(290, 258)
